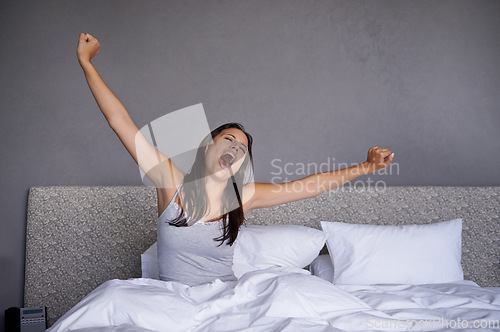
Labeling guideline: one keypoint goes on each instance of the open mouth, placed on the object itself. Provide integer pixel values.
(226, 159)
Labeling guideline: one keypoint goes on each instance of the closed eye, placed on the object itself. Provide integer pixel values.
(241, 148)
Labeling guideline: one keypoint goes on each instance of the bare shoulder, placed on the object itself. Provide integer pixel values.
(165, 193)
(252, 193)
(262, 195)
(247, 196)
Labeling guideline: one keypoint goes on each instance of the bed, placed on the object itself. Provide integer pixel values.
(84, 247)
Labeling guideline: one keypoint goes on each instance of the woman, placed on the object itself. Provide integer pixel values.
(213, 197)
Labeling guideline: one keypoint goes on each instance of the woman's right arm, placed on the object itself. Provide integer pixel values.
(157, 167)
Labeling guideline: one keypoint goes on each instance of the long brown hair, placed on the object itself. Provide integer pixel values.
(195, 191)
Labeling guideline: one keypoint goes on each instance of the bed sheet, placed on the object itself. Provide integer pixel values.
(282, 299)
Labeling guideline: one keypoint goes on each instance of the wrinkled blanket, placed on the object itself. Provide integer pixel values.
(282, 299)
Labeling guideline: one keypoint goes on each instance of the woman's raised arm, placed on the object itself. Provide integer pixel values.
(157, 167)
(272, 194)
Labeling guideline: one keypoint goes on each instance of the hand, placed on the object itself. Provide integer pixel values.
(88, 47)
(378, 158)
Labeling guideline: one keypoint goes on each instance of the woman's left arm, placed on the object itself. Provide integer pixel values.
(272, 194)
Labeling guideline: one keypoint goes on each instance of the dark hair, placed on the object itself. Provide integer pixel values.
(196, 191)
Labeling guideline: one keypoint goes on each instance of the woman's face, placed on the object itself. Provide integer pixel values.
(227, 153)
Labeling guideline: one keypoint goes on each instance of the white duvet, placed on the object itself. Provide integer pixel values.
(282, 299)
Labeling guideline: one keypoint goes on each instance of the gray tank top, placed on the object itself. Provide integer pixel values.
(189, 254)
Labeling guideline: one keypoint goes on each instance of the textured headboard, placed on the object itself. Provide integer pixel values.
(80, 236)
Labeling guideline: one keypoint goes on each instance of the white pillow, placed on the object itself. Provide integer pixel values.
(407, 254)
(322, 267)
(260, 247)
(149, 263)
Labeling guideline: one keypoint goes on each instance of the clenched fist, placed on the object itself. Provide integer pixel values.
(87, 48)
(378, 158)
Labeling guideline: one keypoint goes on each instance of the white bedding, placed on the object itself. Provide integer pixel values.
(281, 299)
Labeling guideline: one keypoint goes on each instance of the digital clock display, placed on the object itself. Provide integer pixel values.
(32, 311)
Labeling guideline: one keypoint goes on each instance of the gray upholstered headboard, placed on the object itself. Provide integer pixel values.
(80, 236)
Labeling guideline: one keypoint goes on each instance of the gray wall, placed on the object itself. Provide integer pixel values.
(313, 81)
